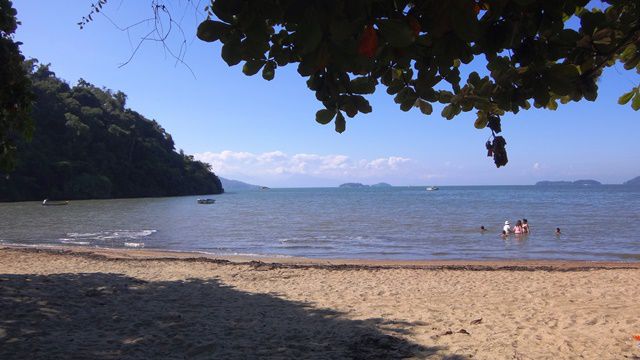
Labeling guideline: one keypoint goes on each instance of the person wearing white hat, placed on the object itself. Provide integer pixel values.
(506, 227)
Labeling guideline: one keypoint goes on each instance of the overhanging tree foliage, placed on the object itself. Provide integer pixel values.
(537, 52)
(534, 52)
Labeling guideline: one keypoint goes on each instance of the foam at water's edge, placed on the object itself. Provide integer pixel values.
(133, 244)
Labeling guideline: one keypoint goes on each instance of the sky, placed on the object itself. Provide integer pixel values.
(264, 132)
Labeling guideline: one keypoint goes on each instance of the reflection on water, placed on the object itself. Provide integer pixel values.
(374, 223)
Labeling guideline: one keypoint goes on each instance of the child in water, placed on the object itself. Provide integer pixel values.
(525, 226)
(558, 231)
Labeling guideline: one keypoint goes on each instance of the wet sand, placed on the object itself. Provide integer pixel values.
(122, 304)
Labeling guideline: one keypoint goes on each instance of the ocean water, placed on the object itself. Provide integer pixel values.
(409, 223)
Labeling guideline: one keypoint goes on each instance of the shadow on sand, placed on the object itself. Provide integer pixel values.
(110, 316)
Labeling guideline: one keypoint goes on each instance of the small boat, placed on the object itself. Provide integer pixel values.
(206, 201)
(46, 202)
(264, 188)
(432, 188)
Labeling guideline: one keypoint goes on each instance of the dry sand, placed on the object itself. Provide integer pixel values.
(98, 304)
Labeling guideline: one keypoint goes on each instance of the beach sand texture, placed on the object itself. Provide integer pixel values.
(56, 305)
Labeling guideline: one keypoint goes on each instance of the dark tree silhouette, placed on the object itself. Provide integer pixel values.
(87, 144)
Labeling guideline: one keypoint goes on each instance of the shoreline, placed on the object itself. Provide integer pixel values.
(303, 262)
(143, 304)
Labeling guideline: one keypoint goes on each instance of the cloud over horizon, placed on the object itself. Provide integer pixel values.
(278, 166)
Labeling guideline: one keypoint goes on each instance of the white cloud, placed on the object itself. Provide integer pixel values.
(277, 164)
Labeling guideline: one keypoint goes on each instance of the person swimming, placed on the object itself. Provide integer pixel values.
(558, 231)
(482, 229)
(517, 229)
(525, 226)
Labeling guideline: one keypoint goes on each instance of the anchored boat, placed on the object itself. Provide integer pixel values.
(206, 201)
(46, 202)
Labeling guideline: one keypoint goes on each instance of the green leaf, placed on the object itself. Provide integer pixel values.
(407, 104)
(635, 104)
(252, 67)
(231, 53)
(363, 85)
(448, 112)
(341, 123)
(396, 32)
(425, 107)
(632, 62)
(362, 104)
(406, 95)
(626, 97)
(563, 78)
(482, 120)
(325, 116)
(269, 71)
(210, 30)
(395, 88)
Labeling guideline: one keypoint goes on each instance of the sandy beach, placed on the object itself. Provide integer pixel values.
(116, 304)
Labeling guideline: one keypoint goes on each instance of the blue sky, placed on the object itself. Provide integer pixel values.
(264, 132)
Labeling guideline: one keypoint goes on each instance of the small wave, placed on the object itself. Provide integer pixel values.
(110, 235)
(77, 235)
(70, 241)
(303, 247)
(134, 244)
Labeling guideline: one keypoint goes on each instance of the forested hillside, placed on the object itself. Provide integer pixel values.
(87, 144)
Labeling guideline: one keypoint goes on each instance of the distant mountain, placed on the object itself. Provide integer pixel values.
(235, 185)
(353, 185)
(569, 183)
(381, 185)
(554, 183)
(633, 182)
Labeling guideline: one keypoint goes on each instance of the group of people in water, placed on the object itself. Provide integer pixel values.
(520, 228)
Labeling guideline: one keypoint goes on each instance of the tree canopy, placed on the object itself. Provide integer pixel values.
(536, 52)
(15, 93)
(87, 144)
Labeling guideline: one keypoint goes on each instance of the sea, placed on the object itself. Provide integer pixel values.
(396, 223)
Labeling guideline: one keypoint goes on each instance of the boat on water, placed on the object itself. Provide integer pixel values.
(206, 201)
(432, 188)
(46, 202)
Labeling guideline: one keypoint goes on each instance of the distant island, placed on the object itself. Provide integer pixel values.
(235, 185)
(569, 183)
(88, 145)
(633, 182)
(359, 185)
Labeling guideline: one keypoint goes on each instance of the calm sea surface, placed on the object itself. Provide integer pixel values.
(598, 223)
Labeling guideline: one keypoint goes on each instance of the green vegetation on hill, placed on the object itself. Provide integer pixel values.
(569, 183)
(87, 144)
